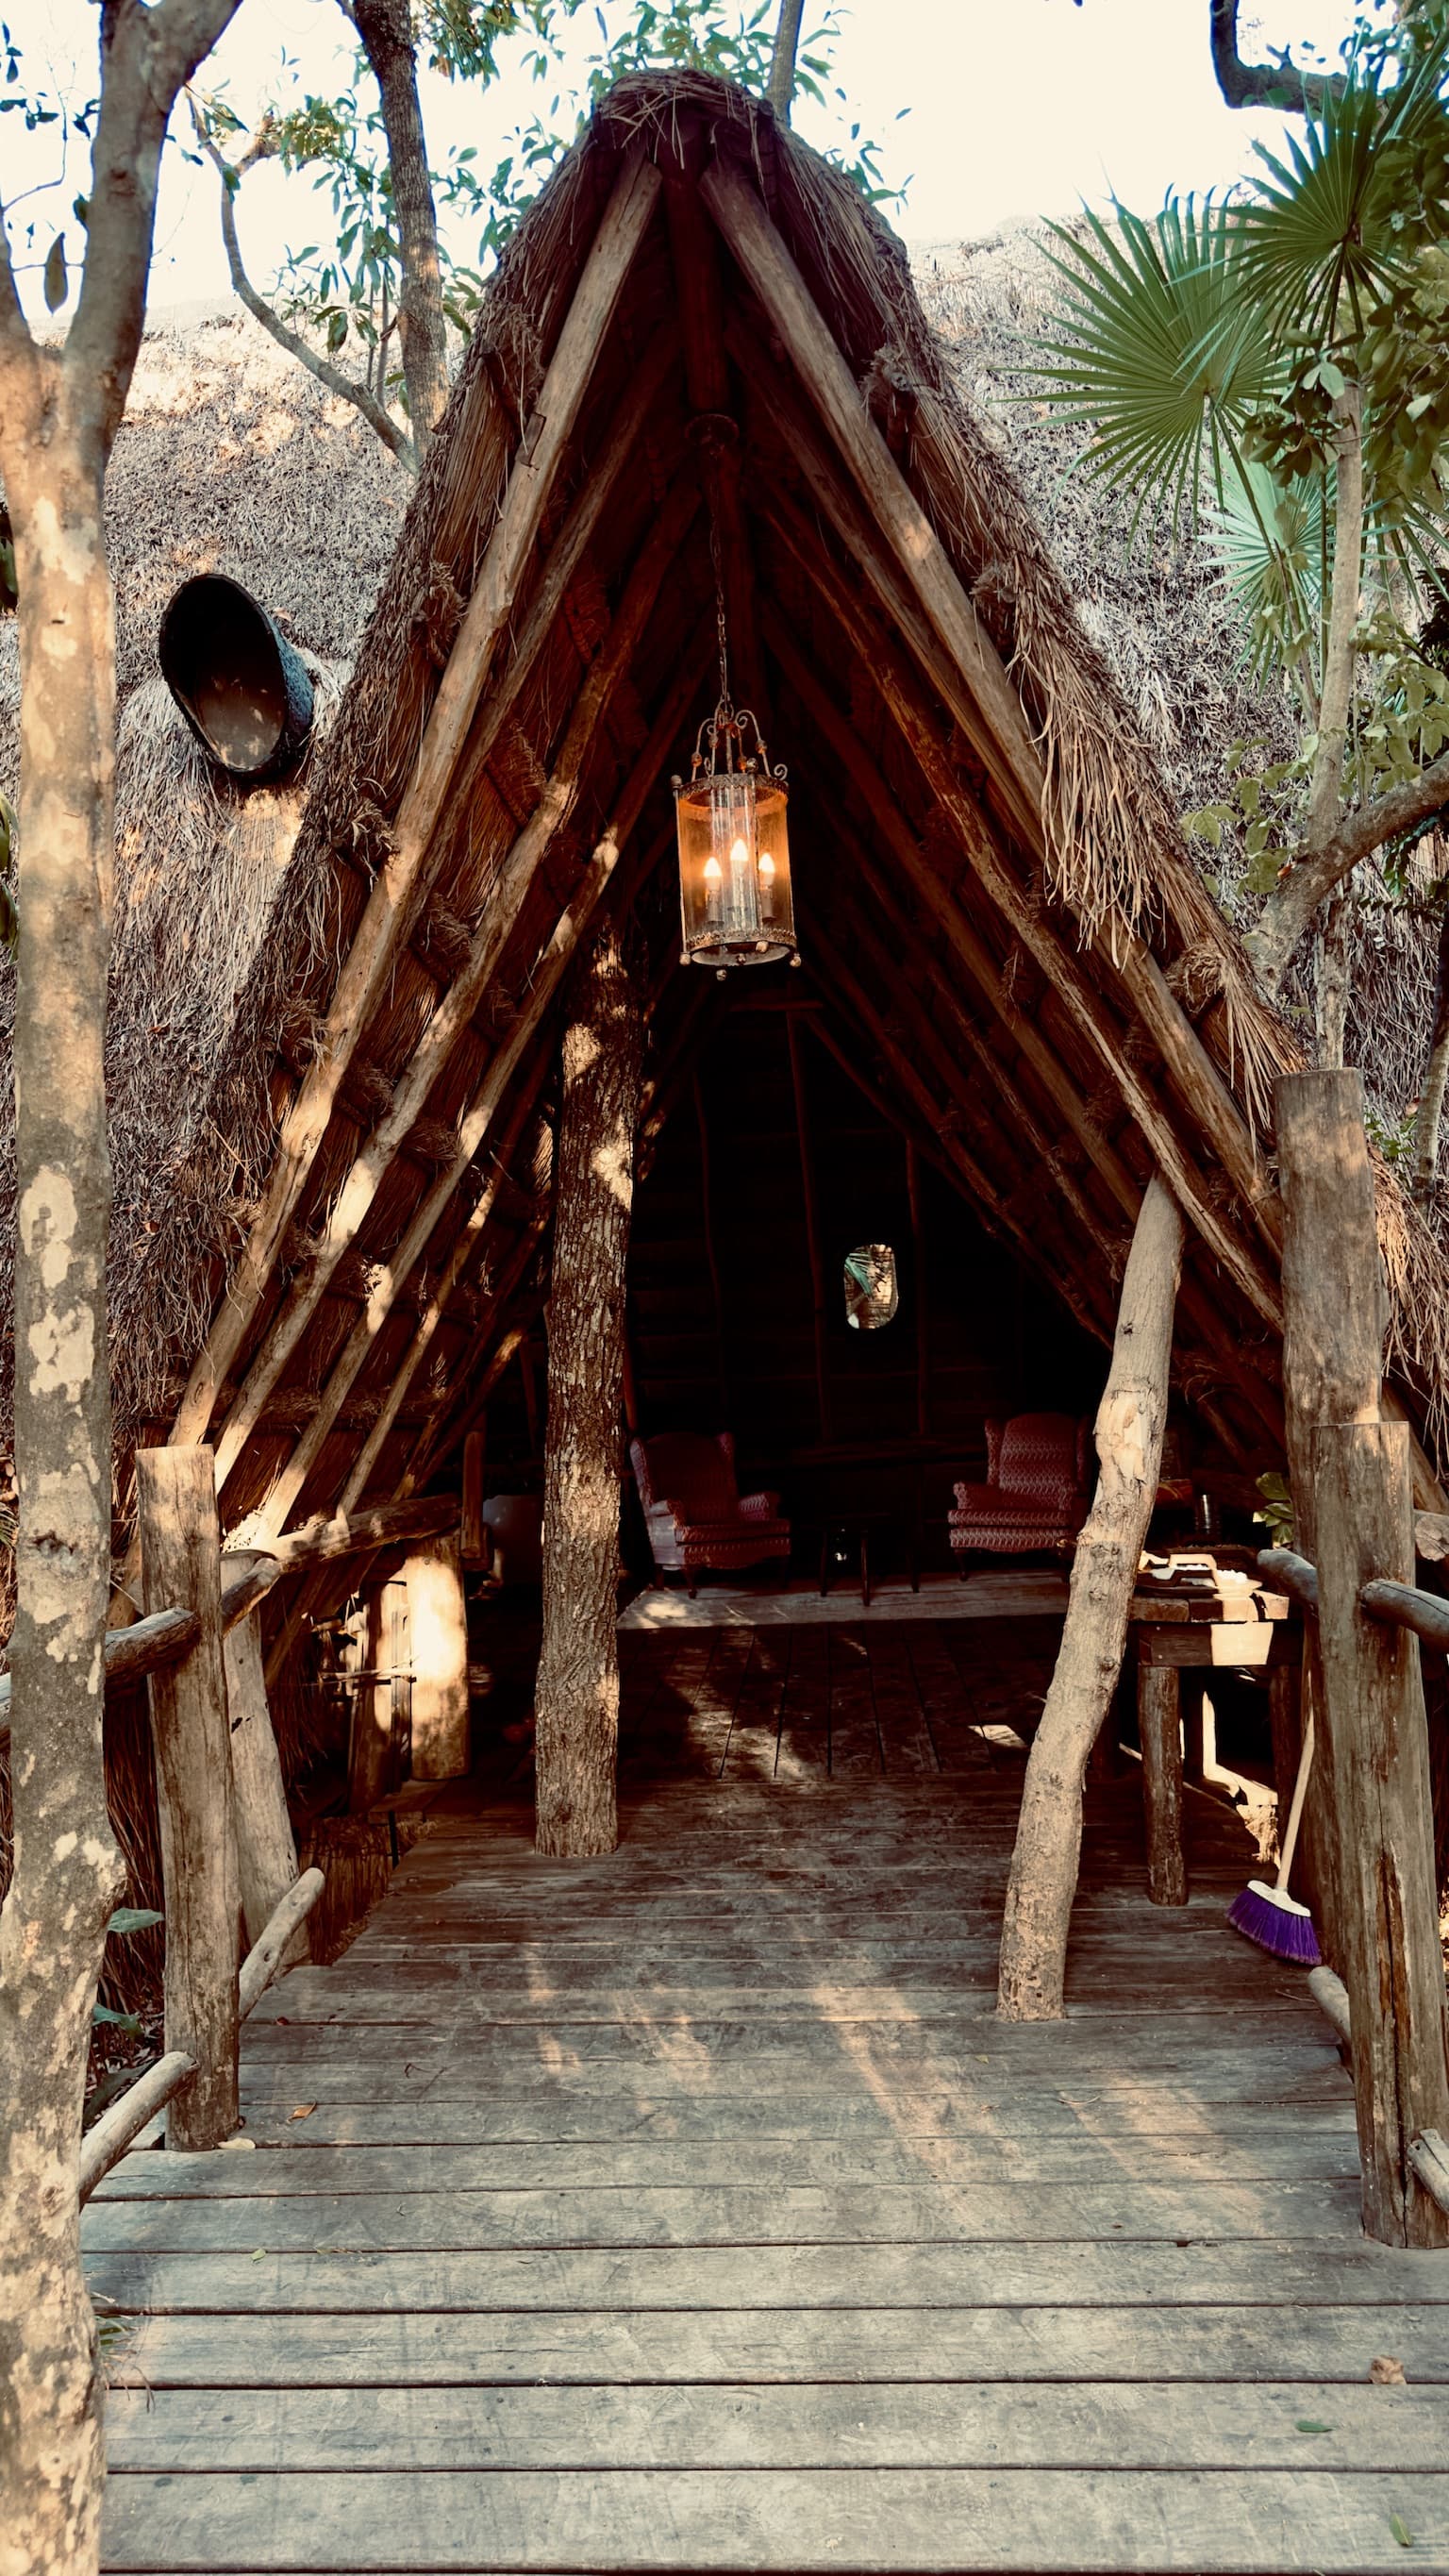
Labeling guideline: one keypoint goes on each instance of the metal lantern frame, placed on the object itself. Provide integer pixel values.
(731, 817)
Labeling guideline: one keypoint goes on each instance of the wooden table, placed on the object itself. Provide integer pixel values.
(1182, 1622)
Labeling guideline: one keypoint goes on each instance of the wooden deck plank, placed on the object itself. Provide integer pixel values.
(689, 2208)
(1088, 2424)
(961, 2520)
(1016, 2345)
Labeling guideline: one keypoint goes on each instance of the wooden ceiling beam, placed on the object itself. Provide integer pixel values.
(354, 1200)
(548, 974)
(386, 919)
(1121, 952)
(901, 697)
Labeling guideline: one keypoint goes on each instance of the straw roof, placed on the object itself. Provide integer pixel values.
(1052, 1000)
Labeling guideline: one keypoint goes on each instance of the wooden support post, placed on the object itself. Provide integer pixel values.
(918, 1268)
(266, 1850)
(369, 1746)
(181, 1563)
(1130, 1423)
(473, 1534)
(706, 1205)
(438, 1627)
(1388, 1919)
(1159, 1730)
(812, 1229)
(577, 1701)
(1334, 1317)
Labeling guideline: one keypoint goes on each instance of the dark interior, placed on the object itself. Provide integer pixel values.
(220, 657)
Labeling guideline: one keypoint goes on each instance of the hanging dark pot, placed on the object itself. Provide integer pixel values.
(241, 686)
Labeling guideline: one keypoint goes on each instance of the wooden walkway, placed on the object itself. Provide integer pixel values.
(689, 2209)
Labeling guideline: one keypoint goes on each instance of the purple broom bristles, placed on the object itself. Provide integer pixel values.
(1276, 1922)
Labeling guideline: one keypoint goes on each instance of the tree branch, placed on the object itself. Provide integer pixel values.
(148, 54)
(1313, 874)
(386, 29)
(781, 88)
(296, 347)
(1279, 84)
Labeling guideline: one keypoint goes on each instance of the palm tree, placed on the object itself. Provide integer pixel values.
(1269, 368)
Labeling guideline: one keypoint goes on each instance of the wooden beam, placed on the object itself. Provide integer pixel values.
(1122, 954)
(266, 1851)
(353, 1202)
(577, 1697)
(438, 1643)
(918, 729)
(181, 1561)
(1129, 1427)
(997, 725)
(1388, 1915)
(812, 1228)
(1159, 1733)
(542, 449)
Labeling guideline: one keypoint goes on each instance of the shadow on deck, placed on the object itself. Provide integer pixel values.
(689, 2209)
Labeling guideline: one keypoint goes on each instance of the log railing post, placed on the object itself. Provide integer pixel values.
(266, 1849)
(181, 1563)
(1130, 1423)
(1333, 1327)
(438, 1630)
(1388, 1921)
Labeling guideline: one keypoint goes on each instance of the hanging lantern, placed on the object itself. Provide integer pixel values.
(734, 849)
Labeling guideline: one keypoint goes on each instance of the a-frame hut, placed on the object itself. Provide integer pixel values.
(701, 374)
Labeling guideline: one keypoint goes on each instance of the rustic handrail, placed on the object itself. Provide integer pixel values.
(1403, 1605)
(247, 1575)
(1427, 2153)
(1292, 1574)
(106, 2143)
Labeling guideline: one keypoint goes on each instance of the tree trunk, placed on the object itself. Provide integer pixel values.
(1334, 951)
(578, 1670)
(1130, 1423)
(385, 27)
(68, 1873)
(1429, 1116)
(781, 88)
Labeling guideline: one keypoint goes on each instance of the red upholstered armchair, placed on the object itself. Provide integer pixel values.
(1036, 1491)
(693, 1510)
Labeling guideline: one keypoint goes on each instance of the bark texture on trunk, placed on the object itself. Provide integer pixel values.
(68, 1873)
(1130, 1423)
(386, 29)
(1429, 1116)
(578, 1671)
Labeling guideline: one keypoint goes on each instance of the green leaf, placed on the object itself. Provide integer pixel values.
(336, 331)
(1400, 2529)
(57, 282)
(1310, 2424)
(121, 2020)
(133, 1918)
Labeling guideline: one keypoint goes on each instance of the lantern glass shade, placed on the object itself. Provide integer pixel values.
(734, 870)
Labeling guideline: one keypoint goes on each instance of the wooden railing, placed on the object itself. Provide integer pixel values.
(1356, 1472)
(226, 1838)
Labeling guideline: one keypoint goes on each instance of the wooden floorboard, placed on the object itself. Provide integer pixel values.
(689, 2209)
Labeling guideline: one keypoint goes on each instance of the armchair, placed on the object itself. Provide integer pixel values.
(1036, 1490)
(693, 1511)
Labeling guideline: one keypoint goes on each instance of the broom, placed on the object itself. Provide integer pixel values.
(1269, 1915)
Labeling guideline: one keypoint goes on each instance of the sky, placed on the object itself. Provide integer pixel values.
(988, 112)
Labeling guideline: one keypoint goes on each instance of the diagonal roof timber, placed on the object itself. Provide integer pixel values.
(542, 450)
(995, 1005)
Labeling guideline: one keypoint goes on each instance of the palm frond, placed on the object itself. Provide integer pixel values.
(1155, 349)
(1323, 236)
(1268, 540)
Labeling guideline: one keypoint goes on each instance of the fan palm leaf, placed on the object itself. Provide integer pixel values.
(1158, 351)
(1269, 543)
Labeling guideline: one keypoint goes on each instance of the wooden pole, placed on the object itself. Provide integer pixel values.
(1159, 1732)
(812, 1227)
(1333, 1335)
(438, 1628)
(181, 1562)
(473, 1533)
(1388, 1916)
(918, 1265)
(711, 1258)
(545, 443)
(578, 1674)
(369, 1749)
(266, 1851)
(1130, 1423)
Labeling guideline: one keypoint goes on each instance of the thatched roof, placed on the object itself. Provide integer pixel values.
(1050, 998)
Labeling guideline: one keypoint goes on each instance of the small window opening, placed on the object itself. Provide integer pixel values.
(871, 1294)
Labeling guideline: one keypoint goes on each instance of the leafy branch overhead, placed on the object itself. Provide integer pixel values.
(1268, 369)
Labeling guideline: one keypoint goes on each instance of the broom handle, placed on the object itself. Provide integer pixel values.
(1300, 1788)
